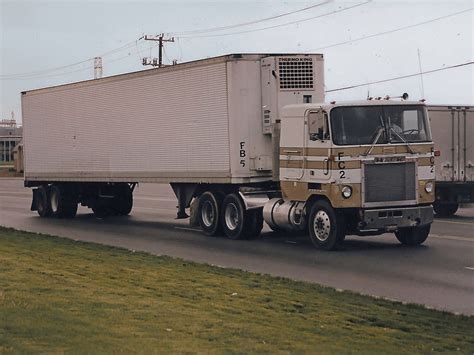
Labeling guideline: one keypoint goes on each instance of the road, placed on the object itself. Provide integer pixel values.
(438, 274)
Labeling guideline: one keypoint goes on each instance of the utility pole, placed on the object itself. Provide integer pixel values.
(160, 39)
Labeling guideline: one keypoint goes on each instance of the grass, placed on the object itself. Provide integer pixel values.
(58, 295)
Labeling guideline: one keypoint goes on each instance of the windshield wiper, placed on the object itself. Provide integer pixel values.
(402, 139)
(377, 137)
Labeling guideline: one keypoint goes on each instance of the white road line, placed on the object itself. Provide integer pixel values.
(469, 268)
(454, 222)
(451, 237)
(291, 242)
(163, 199)
(188, 229)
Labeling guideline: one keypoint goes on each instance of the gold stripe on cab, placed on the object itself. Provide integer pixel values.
(356, 151)
(299, 191)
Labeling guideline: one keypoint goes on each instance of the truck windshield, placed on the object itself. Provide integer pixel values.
(359, 125)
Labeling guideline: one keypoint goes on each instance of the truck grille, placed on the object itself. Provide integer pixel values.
(389, 182)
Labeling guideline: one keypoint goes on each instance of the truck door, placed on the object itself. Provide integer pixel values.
(317, 162)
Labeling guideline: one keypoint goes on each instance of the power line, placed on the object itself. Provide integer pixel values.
(42, 72)
(51, 75)
(402, 77)
(283, 24)
(214, 29)
(391, 31)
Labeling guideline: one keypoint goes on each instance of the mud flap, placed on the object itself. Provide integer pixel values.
(33, 201)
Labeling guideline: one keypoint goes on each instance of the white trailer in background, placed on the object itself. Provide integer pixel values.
(246, 135)
(452, 130)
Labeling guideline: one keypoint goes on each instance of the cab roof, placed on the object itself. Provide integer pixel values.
(300, 109)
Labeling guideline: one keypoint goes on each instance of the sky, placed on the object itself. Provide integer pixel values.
(46, 43)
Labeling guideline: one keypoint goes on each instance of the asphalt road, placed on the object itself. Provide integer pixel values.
(438, 274)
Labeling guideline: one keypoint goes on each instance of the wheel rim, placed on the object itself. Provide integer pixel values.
(208, 214)
(231, 215)
(322, 226)
(54, 200)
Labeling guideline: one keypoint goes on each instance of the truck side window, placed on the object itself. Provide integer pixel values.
(318, 126)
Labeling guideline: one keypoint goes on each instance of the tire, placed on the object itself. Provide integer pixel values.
(63, 202)
(123, 201)
(253, 223)
(43, 205)
(413, 235)
(327, 227)
(209, 213)
(233, 215)
(445, 209)
(238, 223)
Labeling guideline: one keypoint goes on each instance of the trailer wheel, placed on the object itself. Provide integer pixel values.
(43, 205)
(413, 235)
(208, 213)
(445, 209)
(123, 202)
(327, 227)
(63, 202)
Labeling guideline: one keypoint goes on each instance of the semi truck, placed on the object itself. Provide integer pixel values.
(248, 137)
(452, 130)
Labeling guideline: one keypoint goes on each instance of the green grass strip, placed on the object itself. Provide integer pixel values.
(58, 295)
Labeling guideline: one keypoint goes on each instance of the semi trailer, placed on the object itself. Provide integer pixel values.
(248, 137)
(453, 128)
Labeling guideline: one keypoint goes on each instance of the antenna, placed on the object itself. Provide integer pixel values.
(421, 75)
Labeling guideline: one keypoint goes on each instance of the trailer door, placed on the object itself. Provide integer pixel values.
(444, 130)
(467, 117)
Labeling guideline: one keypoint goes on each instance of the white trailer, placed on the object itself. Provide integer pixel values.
(245, 135)
(452, 129)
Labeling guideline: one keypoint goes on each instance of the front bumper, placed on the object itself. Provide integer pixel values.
(391, 219)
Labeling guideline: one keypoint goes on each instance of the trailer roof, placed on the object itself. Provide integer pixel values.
(168, 68)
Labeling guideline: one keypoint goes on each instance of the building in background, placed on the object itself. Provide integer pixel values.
(10, 136)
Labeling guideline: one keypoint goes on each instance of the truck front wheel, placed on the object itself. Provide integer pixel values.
(413, 235)
(208, 213)
(326, 226)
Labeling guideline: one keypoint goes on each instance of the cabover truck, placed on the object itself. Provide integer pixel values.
(246, 138)
(452, 129)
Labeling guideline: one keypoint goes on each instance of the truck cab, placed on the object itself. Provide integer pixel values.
(362, 168)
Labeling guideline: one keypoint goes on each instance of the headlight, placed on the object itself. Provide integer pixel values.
(429, 187)
(346, 191)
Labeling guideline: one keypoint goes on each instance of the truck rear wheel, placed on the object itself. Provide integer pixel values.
(43, 205)
(238, 223)
(445, 209)
(63, 202)
(208, 213)
(327, 227)
(413, 235)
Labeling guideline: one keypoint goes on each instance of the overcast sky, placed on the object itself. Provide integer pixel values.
(40, 35)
